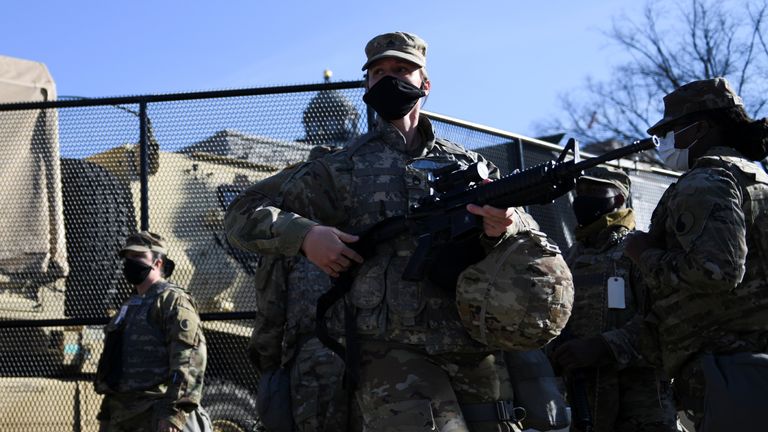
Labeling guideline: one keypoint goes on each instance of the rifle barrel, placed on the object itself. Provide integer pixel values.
(637, 146)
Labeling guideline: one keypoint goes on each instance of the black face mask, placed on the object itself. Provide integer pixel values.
(393, 98)
(135, 271)
(589, 209)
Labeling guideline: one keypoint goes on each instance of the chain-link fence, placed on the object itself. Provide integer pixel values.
(80, 175)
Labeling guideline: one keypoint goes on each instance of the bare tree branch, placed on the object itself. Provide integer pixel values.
(668, 47)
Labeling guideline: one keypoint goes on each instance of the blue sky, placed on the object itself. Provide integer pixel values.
(498, 63)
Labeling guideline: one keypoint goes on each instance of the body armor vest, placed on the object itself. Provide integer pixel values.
(145, 354)
(591, 267)
(418, 313)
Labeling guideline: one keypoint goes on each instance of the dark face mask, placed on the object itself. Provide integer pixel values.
(135, 271)
(589, 209)
(393, 98)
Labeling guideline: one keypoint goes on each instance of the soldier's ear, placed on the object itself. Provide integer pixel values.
(426, 84)
(619, 200)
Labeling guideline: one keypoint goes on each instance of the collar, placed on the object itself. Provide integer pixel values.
(722, 151)
(608, 229)
(393, 138)
(157, 287)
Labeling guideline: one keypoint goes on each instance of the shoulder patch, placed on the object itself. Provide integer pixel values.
(184, 324)
(684, 223)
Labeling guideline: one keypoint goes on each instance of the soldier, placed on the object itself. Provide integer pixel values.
(705, 257)
(418, 366)
(283, 346)
(286, 352)
(625, 393)
(151, 370)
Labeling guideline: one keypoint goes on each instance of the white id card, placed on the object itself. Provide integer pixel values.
(616, 293)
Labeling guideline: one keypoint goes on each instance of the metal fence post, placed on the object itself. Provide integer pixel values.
(144, 170)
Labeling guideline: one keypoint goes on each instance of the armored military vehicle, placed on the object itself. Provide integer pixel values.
(67, 208)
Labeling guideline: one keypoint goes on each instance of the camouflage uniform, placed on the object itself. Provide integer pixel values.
(163, 361)
(708, 274)
(709, 283)
(414, 346)
(287, 292)
(628, 394)
(154, 354)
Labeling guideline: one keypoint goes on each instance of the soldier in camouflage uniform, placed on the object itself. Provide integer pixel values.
(287, 292)
(288, 289)
(705, 258)
(418, 363)
(625, 393)
(151, 370)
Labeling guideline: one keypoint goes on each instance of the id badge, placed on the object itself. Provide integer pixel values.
(616, 293)
(121, 315)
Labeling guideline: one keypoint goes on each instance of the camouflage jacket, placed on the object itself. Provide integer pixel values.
(597, 256)
(163, 354)
(287, 289)
(708, 275)
(352, 189)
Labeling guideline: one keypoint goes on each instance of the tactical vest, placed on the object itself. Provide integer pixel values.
(738, 319)
(591, 268)
(145, 354)
(387, 307)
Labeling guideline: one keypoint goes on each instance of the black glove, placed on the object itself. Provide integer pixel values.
(579, 353)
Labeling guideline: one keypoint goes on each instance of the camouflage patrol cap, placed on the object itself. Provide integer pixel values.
(519, 297)
(695, 97)
(608, 176)
(144, 241)
(406, 46)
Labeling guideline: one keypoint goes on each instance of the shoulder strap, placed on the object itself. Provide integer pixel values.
(450, 146)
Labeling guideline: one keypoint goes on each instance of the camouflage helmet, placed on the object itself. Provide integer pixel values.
(406, 46)
(519, 297)
(144, 241)
(608, 176)
(695, 97)
(147, 241)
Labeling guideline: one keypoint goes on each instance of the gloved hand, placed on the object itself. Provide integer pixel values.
(579, 353)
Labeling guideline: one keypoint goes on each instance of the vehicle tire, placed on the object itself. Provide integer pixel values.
(231, 407)
(98, 216)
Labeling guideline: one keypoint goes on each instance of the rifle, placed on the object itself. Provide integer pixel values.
(441, 221)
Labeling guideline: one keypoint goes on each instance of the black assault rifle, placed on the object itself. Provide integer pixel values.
(441, 222)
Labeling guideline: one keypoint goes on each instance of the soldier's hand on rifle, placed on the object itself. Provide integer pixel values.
(495, 220)
(579, 353)
(326, 247)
